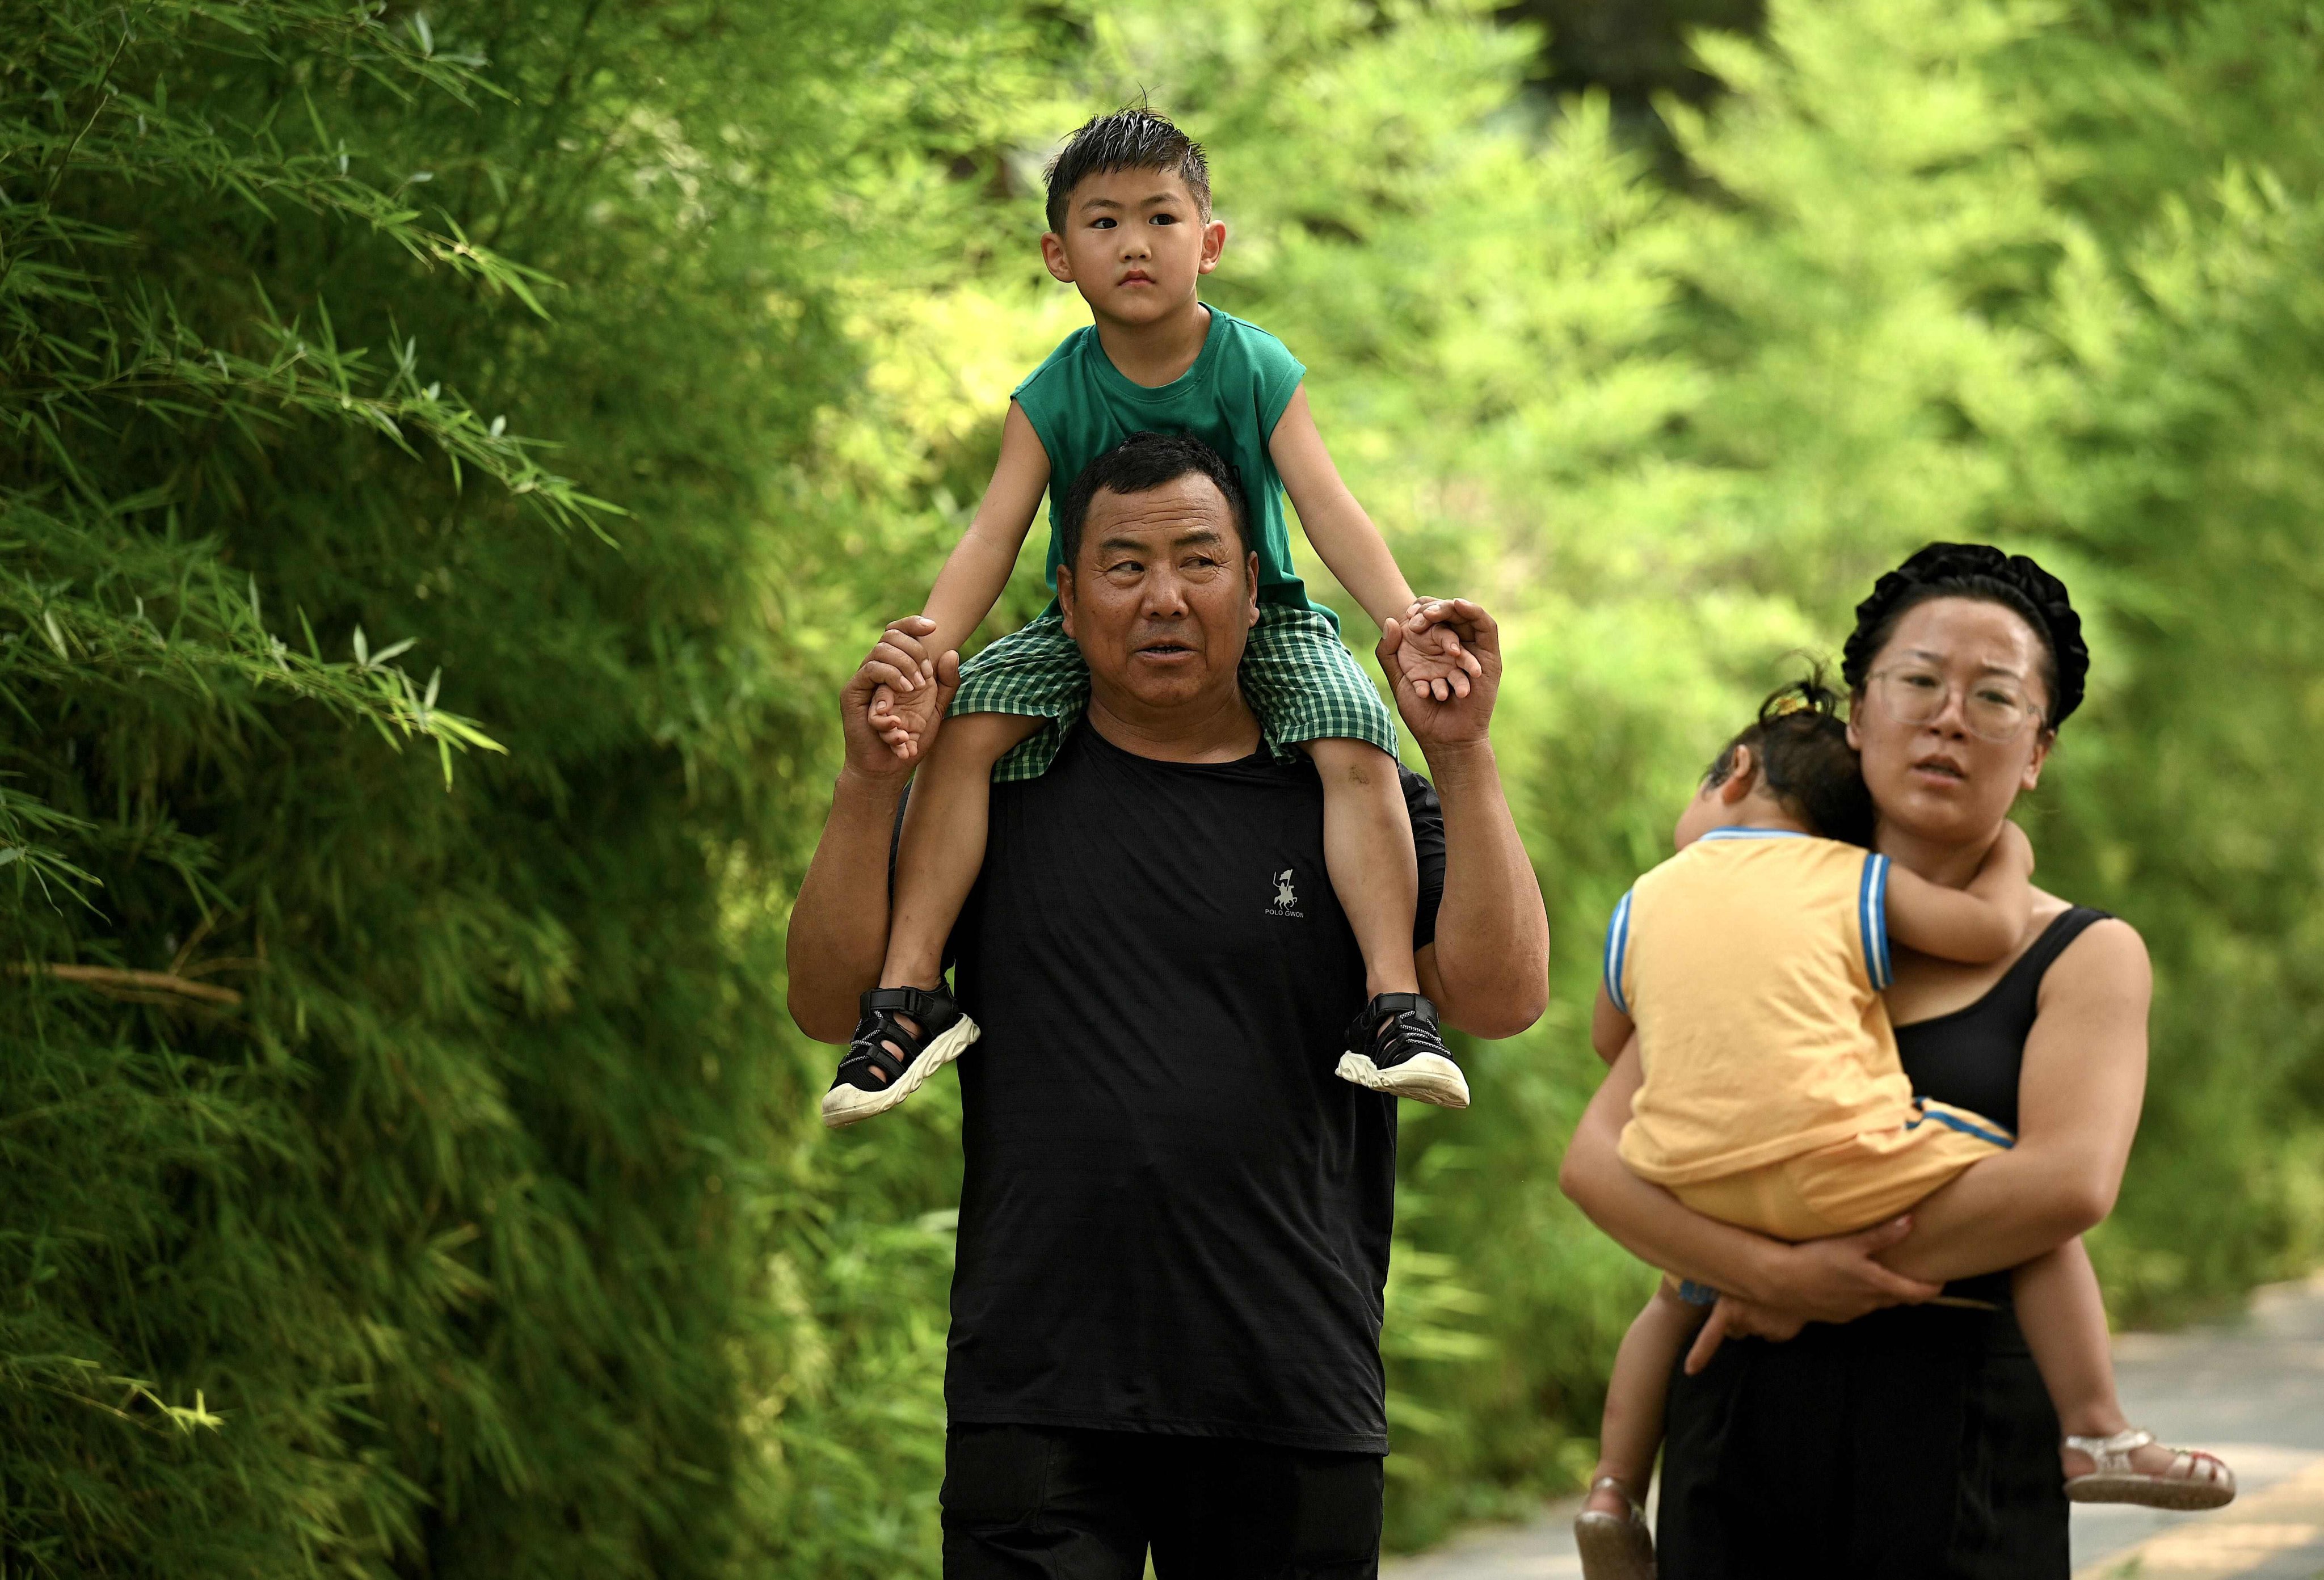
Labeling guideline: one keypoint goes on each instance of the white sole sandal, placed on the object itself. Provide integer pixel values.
(1396, 1046)
(871, 1079)
(2195, 1480)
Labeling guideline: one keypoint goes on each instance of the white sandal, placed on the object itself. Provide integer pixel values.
(1614, 1546)
(2195, 1480)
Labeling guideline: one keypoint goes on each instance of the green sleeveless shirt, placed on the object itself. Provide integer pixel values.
(1080, 406)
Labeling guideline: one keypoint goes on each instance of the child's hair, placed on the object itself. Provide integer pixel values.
(1132, 138)
(1804, 759)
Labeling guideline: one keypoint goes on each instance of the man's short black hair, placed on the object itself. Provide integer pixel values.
(1139, 465)
(1806, 760)
(1133, 138)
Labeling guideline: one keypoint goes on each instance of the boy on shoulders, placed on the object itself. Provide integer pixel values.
(1130, 228)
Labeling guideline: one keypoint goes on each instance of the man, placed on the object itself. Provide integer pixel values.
(1175, 1219)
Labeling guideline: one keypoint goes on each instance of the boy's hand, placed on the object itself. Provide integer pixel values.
(1429, 658)
(911, 688)
(2013, 847)
(1451, 722)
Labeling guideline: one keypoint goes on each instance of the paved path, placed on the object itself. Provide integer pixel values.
(2252, 1390)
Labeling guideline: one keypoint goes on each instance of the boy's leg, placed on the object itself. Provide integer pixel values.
(2064, 1315)
(1395, 1045)
(942, 849)
(1308, 690)
(1631, 1433)
(1368, 851)
(911, 1027)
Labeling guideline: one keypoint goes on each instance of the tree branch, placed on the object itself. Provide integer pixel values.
(144, 986)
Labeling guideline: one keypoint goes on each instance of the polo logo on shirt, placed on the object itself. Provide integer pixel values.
(1287, 898)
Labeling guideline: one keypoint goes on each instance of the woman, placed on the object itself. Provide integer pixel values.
(1892, 1438)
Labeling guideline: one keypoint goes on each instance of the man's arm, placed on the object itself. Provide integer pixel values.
(1487, 971)
(839, 933)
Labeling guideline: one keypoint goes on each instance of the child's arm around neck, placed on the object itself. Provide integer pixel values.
(978, 567)
(1980, 923)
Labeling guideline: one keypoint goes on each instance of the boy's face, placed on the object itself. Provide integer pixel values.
(1135, 244)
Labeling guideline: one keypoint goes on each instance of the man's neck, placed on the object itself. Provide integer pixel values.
(1222, 730)
(1156, 354)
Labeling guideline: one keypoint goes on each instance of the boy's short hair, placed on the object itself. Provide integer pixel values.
(1141, 463)
(1806, 760)
(1133, 138)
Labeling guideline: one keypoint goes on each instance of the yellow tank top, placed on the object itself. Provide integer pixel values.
(1752, 963)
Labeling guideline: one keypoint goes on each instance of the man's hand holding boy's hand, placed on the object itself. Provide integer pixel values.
(901, 691)
(1429, 656)
(1457, 720)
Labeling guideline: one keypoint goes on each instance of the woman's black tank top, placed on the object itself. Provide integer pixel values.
(1970, 1058)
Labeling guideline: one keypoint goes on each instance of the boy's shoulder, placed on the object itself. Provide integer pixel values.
(1260, 351)
(1757, 857)
(1061, 358)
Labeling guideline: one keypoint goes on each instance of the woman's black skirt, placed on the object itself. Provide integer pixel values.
(1916, 1444)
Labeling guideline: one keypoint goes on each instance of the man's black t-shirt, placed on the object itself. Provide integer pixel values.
(1175, 1216)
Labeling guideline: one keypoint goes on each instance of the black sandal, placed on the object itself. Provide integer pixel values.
(1395, 1047)
(872, 1079)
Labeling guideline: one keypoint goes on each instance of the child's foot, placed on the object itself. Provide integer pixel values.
(1394, 1047)
(1611, 1533)
(2132, 1467)
(906, 1034)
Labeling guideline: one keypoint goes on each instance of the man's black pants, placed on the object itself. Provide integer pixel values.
(1050, 1503)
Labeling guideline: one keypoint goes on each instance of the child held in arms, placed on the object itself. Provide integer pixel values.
(1750, 967)
(1130, 228)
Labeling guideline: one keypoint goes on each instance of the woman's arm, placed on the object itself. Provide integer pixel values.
(2079, 1095)
(1822, 1281)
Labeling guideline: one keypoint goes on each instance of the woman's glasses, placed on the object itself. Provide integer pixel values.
(1913, 694)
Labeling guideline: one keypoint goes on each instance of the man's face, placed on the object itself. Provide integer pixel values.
(1162, 596)
(1134, 244)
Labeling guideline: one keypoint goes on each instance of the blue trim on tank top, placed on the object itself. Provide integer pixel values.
(1954, 1121)
(1617, 949)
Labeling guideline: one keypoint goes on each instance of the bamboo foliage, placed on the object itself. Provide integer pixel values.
(269, 1210)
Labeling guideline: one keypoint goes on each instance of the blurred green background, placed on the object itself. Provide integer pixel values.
(452, 456)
